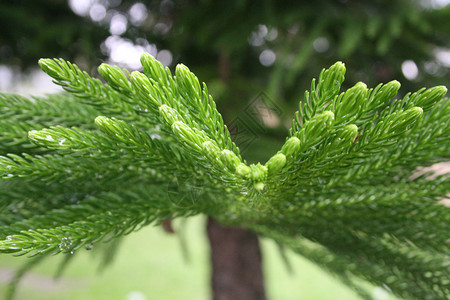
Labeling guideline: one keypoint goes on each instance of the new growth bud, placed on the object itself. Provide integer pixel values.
(276, 163)
(291, 147)
(430, 97)
(350, 132)
(243, 170)
(117, 128)
(150, 65)
(314, 130)
(187, 136)
(51, 68)
(144, 88)
(343, 139)
(330, 82)
(229, 159)
(384, 95)
(115, 77)
(351, 102)
(405, 119)
(103, 123)
(187, 80)
(347, 136)
(212, 152)
(338, 71)
(258, 173)
(168, 114)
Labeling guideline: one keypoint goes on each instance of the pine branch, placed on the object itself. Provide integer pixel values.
(73, 227)
(146, 147)
(20, 115)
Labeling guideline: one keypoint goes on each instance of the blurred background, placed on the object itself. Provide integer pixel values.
(258, 58)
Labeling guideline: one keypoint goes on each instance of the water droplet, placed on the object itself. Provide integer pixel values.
(10, 175)
(89, 247)
(65, 242)
(49, 138)
(8, 167)
(61, 141)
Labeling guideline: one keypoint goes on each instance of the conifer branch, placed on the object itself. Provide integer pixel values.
(148, 146)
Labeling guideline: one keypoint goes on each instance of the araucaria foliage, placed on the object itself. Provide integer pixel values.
(339, 191)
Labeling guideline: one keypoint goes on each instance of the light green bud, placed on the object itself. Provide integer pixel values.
(229, 159)
(52, 68)
(259, 186)
(350, 132)
(276, 163)
(187, 79)
(384, 95)
(101, 121)
(243, 170)
(330, 82)
(169, 114)
(314, 130)
(258, 172)
(186, 135)
(139, 78)
(115, 77)
(291, 147)
(346, 136)
(320, 121)
(212, 152)
(104, 124)
(428, 98)
(406, 118)
(351, 102)
(117, 128)
(343, 139)
(145, 89)
(151, 65)
(53, 138)
(182, 70)
(338, 71)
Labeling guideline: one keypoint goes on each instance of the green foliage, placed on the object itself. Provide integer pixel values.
(338, 192)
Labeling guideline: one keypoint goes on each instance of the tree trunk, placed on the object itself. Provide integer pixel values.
(236, 272)
(236, 263)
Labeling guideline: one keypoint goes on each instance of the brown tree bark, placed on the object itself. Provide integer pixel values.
(236, 263)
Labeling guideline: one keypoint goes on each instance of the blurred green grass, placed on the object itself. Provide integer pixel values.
(150, 265)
